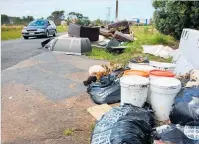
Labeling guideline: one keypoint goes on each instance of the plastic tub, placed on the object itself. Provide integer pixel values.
(163, 66)
(162, 94)
(154, 74)
(136, 72)
(140, 66)
(134, 90)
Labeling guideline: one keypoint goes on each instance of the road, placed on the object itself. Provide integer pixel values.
(14, 51)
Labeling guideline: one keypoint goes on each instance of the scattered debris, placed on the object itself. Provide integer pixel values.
(98, 111)
(159, 50)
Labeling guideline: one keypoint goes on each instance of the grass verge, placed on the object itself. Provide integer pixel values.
(14, 32)
(146, 35)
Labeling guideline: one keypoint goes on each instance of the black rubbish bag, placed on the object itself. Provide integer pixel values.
(107, 91)
(125, 124)
(186, 107)
(176, 134)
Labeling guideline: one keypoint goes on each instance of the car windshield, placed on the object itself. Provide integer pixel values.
(37, 23)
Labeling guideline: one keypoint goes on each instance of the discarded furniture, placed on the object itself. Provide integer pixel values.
(122, 26)
(75, 30)
(72, 45)
(122, 37)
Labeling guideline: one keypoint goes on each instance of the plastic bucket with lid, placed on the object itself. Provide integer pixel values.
(162, 94)
(154, 74)
(140, 66)
(134, 90)
(163, 66)
(136, 72)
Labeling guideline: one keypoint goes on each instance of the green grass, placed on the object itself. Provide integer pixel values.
(146, 35)
(14, 32)
(6, 35)
(62, 28)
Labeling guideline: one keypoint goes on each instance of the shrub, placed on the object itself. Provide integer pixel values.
(171, 17)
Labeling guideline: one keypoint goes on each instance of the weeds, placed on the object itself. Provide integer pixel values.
(68, 132)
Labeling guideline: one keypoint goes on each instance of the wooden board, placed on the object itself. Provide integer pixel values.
(98, 111)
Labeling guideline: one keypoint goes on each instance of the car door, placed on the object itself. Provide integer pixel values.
(53, 26)
(50, 28)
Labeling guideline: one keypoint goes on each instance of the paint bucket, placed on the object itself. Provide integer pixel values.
(134, 90)
(162, 66)
(162, 94)
(136, 72)
(140, 66)
(155, 74)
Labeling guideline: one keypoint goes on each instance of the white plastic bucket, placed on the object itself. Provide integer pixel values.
(162, 66)
(162, 94)
(140, 66)
(134, 90)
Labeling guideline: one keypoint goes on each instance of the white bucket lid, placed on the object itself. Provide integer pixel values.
(166, 82)
(134, 80)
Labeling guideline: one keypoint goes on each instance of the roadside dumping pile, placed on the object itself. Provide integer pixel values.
(80, 39)
(114, 36)
(170, 101)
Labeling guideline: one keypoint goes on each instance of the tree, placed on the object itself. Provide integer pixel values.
(98, 22)
(5, 19)
(78, 18)
(170, 17)
(57, 17)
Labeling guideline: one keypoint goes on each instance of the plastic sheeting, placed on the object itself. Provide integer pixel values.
(125, 124)
(159, 50)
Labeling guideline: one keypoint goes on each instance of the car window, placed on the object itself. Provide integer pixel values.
(49, 23)
(38, 23)
(52, 23)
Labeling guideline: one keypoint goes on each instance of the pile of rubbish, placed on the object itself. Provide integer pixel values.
(149, 92)
(114, 37)
(80, 39)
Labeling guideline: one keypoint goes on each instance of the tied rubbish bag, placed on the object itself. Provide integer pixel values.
(186, 107)
(105, 91)
(176, 134)
(126, 124)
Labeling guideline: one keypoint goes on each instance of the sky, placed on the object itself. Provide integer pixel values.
(94, 9)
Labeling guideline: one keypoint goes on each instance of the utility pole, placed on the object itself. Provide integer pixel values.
(116, 11)
(108, 14)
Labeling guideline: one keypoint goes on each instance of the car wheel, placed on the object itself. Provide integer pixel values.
(47, 34)
(25, 37)
(55, 33)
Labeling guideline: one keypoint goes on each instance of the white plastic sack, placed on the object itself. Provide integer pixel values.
(159, 50)
(96, 69)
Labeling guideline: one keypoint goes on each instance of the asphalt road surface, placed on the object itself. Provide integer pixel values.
(14, 51)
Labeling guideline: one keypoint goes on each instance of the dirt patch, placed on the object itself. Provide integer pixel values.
(28, 117)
